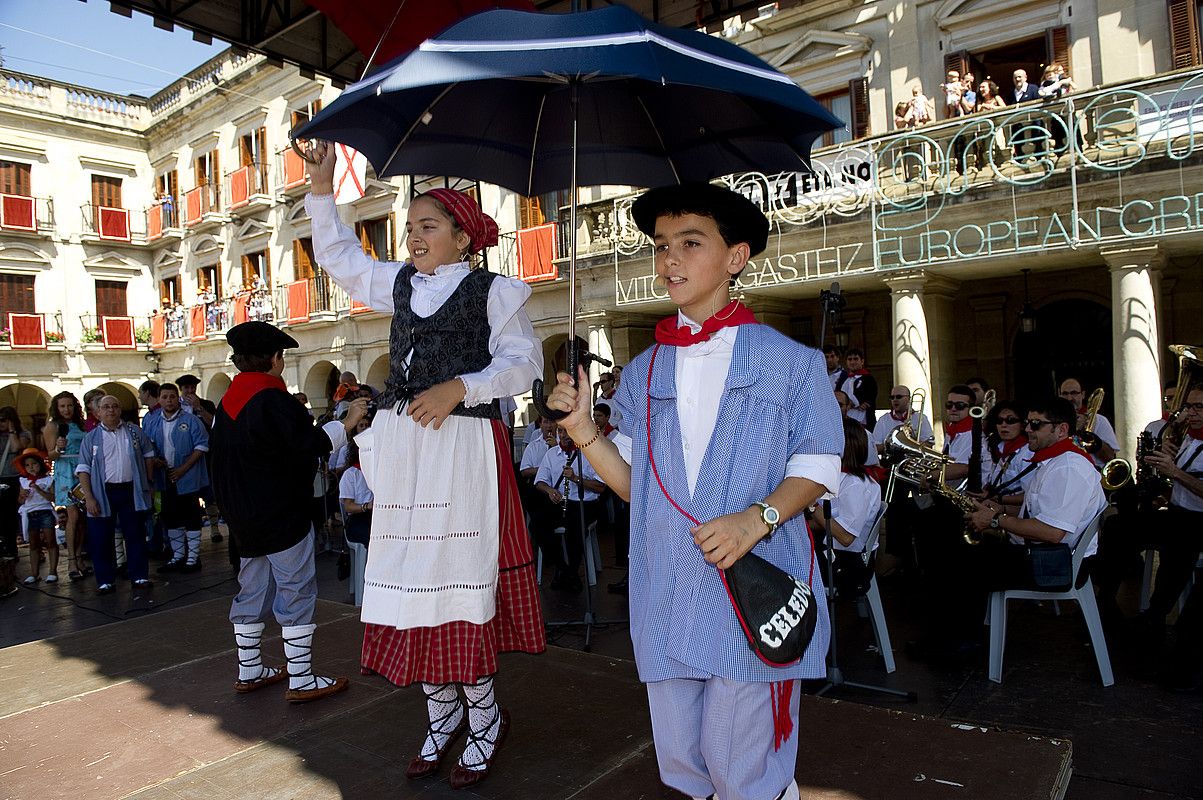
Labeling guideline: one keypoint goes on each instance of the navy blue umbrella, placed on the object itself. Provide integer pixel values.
(540, 102)
(495, 97)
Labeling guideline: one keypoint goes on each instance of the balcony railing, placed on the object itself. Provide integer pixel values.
(116, 332)
(113, 224)
(198, 202)
(33, 331)
(28, 214)
(161, 217)
(245, 183)
(290, 170)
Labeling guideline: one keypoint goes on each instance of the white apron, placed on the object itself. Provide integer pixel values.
(434, 545)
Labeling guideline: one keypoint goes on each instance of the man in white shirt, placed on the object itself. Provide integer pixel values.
(570, 482)
(831, 355)
(1105, 441)
(861, 388)
(900, 414)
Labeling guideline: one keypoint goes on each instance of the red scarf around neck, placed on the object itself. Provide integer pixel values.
(857, 373)
(245, 386)
(670, 332)
(1052, 451)
(905, 416)
(1010, 447)
(964, 426)
(1195, 433)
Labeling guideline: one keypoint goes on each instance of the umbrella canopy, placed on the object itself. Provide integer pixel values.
(495, 98)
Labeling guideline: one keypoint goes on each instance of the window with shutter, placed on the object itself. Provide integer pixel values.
(14, 179)
(171, 291)
(373, 235)
(106, 192)
(111, 298)
(208, 279)
(839, 104)
(858, 90)
(256, 270)
(303, 261)
(16, 296)
(1058, 48)
(530, 212)
(1184, 33)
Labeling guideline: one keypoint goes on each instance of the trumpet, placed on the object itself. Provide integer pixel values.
(918, 402)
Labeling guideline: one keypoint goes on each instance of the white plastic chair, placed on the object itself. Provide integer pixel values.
(877, 614)
(359, 562)
(1083, 596)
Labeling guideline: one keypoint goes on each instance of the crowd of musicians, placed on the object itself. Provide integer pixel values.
(1017, 487)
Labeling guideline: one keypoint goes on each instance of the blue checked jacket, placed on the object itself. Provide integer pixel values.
(777, 402)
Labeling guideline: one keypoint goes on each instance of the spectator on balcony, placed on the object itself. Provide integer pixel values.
(62, 437)
(1022, 92)
(168, 211)
(968, 95)
(954, 92)
(1054, 85)
(901, 121)
(984, 146)
(919, 110)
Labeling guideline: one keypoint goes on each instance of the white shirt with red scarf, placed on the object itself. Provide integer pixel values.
(1066, 494)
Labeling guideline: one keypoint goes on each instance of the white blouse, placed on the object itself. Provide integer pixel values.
(517, 352)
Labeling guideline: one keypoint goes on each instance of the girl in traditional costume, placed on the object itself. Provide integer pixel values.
(449, 581)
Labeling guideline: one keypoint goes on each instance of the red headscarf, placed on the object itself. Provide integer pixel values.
(480, 227)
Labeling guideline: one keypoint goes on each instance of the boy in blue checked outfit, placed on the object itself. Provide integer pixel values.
(744, 433)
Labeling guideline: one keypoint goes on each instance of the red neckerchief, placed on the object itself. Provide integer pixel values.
(1011, 447)
(245, 386)
(964, 426)
(859, 372)
(1081, 411)
(1052, 451)
(608, 395)
(905, 416)
(670, 332)
(1195, 433)
(606, 430)
(569, 449)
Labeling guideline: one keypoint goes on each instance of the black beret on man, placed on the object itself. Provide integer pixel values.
(187, 380)
(257, 338)
(737, 217)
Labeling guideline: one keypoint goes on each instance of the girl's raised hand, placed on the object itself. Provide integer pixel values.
(321, 174)
(577, 401)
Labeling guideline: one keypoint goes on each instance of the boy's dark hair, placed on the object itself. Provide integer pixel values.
(246, 362)
(964, 391)
(982, 382)
(168, 387)
(150, 387)
(856, 448)
(854, 351)
(1058, 410)
(830, 348)
(603, 408)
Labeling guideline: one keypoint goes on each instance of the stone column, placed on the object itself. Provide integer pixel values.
(775, 313)
(922, 336)
(1135, 344)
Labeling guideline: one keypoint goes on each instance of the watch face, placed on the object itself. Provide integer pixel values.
(772, 516)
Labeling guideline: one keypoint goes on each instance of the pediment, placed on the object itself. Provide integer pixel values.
(205, 245)
(297, 213)
(815, 47)
(167, 259)
(24, 258)
(113, 263)
(252, 229)
(965, 13)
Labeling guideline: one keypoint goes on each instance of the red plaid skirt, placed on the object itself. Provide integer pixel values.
(463, 652)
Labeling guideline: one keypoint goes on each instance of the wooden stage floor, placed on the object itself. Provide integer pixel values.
(145, 708)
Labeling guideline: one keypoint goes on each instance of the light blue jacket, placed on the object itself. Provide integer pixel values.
(91, 459)
(188, 433)
(777, 402)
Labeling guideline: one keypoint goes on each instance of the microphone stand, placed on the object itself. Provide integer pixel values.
(835, 677)
(590, 620)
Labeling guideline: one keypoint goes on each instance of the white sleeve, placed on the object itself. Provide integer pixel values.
(346, 485)
(822, 469)
(336, 432)
(517, 352)
(529, 457)
(1061, 499)
(544, 474)
(340, 254)
(1105, 432)
(624, 444)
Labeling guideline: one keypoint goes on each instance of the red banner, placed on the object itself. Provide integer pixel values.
(17, 212)
(154, 222)
(158, 331)
(242, 303)
(359, 308)
(240, 182)
(198, 323)
(298, 302)
(294, 169)
(536, 251)
(117, 333)
(26, 331)
(193, 205)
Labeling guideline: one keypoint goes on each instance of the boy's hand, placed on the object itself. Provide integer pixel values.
(357, 409)
(576, 401)
(321, 174)
(724, 540)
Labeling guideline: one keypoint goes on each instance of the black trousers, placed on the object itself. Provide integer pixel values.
(1175, 532)
(546, 517)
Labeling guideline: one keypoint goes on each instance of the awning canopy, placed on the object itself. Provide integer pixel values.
(310, 35)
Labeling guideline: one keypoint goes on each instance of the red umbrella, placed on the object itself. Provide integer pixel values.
(384, 29)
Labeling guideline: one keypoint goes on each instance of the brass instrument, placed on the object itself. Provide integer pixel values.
(918, 402)
(1116, 474)
(988, 401)
(1190, 373)
(1085, 438)
(918, 465)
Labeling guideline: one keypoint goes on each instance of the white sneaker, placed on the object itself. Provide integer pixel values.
(52, 578)
(31, 580)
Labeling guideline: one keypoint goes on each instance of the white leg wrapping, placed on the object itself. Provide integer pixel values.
(194, 543)
(250, 663)
(176, 537)
(445, 712)
(484, 723)
(298, 649)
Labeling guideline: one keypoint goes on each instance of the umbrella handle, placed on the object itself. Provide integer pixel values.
(304, 154)
(576, 356)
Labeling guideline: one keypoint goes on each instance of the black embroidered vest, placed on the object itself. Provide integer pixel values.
(452, 341)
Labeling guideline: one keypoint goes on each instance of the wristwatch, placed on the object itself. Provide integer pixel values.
(771, 517)
(996, 521)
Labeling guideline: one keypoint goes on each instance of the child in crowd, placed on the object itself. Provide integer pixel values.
(37, 503)
(853, 511)
(730, 429)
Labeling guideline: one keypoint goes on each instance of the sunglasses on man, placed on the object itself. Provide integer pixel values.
(1037, 424)
(956, 404)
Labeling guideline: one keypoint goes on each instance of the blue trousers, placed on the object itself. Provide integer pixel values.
(716, 736)
(283, 583)
(101, 531)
